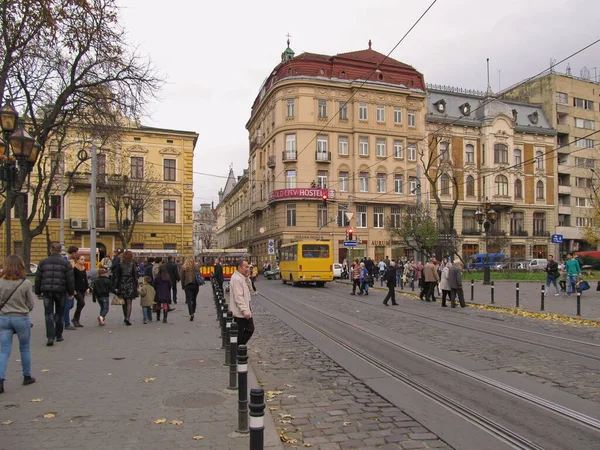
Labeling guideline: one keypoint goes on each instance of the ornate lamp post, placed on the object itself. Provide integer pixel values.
(24, 151)
(486, 216)
(126, 221)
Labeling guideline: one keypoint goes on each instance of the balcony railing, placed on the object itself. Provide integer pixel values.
(289, 155)
(519, 233)
(471, 232)
(541, 233)
(322, 156)
(271, 161)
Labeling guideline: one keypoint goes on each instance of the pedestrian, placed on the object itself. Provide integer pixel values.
(147, 297)
(126, 283)
(399, 273)
(106, 263)
(356, 278)
(552, 275)
(173, 271)
(190, 285)
(69, 304)
(148, 266)
(562, 280)
(158, 261)
(16, 302)
(54, 282)
(240, 302)
(81, 286)
(419, 275)
(116, 260)
(364, 279)
(252, 276)
(573, 270)
(100, 292)
(431, 279)
(218, 273)
(381, 266)
(390, 279)
(162, 286)
(445, 283)
(455, 281)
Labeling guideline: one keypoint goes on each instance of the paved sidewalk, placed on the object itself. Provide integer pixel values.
(103, 388)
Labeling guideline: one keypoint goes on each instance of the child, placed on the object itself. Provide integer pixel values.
(162, 285)
(102, 287)
(147, 296)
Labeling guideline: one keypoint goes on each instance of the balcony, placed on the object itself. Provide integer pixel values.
(323, 156)
(84, 179)
(271, 162)
(521, 233)
(564, 189)
(471, 232)
(541, 233)
(289, 155)
(564, 209)
(563, 128)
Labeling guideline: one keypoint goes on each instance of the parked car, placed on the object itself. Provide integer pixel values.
(538, 264)
(272, 274)
(337, 270)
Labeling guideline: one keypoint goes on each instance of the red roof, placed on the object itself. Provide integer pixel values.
(373, 57)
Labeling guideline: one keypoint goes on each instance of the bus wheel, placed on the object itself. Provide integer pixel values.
(292, 281)
(320, 284)
(284, 281)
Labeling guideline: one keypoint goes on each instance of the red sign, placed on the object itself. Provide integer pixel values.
(306, 193)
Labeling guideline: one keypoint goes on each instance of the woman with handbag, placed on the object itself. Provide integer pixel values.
(16, 302)
(82, 286)
(126, 283)
(162, 285)
(189, 283)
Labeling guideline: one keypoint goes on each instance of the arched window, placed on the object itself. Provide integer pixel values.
(518, 188)
(500, 154)
(444, 153)
(539, 160)
(501, 185)
(517, 157)
(469, 154)
(539, 190)
(470, 186)
(445, 185)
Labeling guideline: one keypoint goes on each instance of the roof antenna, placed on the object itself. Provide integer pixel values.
(489, 92)
(369, 44)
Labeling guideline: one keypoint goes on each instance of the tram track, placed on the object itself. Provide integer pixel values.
(492, 427)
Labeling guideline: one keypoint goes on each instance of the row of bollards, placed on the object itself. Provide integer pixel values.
(251, 413)
(517, 296)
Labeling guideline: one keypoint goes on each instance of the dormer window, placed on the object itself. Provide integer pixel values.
(515, 114)
(533, 117)
(440, 105)
(465, 109)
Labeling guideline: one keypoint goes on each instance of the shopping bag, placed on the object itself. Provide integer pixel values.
(582, 285)
(117, 301)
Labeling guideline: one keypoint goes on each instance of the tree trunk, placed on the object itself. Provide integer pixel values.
(27, 239)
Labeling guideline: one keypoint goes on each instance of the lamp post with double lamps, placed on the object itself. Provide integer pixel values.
(24, 155)
(126, 221)
(486, 216)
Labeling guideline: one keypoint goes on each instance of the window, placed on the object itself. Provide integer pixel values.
(412, 152)
(290, 146)
(500, 154)
(518, 188)
(397, 115)
(517, 223)
(381, 148)
(322, 179)
(380, 113)
(169, 211)
(413, 186)
(343, 145)
(321, 215)
(562, 98)
(470, 186)
(100, 212)
(444, 154)
(469, 250)
(137, 168)
(412, 122)
(290, 107)
(322, 147)
(585, 143)
(517, 157)
(290, 179)
(469, 154)
(399, 183)
(55, 207)
(362, 111)
(585, 104)
(398, 150)
(361, 216)
(322, 109)
(583, 182)
(101, 164)
(169, 170)
(444, 184)
(342, 220)
(469, 222)
(539, 190)
(381, 182)
(363, 146)
(343, 181)
(363, 182)
(583, 202)
(584, 123)
(539, 223)
(395, 217)
(378, 217)
(290, 212)
(501, 185)
(539, 160)
(585, 162)
(343, 111)
(584, 221)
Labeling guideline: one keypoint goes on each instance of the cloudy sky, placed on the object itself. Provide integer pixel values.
(216, 55)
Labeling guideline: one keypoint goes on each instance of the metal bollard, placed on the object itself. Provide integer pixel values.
(472, 290)
(492, 288)
(226, 339)
(224, 325)
(542, 295)
(412, 283)
(579, 303)
(257, 419)
(233, 336)
(242, 371)
(517, 293)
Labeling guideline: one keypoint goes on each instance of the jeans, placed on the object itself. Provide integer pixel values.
(80, 297)
(103, 303)
(245, 329)
(551, 280)
(571, 283)
(174, 290)
(191, 293)
(10, 325)
(147, 312)
(54, 307)
(364, 286)
(390, 295)
(68, 307)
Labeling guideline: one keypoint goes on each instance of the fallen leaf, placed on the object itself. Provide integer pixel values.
(45, 370)
(291, 396)
(149, 380)
(307, 445)
(286, 416)
(289, 385)
(198, 438)
(201, 361)
(7, 422)
(285, 421)
(176, 422)
(34, 420)
(159, 421)
(110, 374)
(36, 400)
(347, 423)
(292, 441)
(79, 359)
(49, 416)
(272, 408)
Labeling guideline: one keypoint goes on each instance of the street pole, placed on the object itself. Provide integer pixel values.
(486, 265)
(61, 186)
(93, 207)
(418, 258)
(9, 186)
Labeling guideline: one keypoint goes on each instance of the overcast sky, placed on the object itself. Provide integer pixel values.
(216, 55)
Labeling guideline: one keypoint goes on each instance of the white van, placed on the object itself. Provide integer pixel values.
(538, 264)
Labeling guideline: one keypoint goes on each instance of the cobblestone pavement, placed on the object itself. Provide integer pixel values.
(570, 377)
(104, 388)
(315, 402)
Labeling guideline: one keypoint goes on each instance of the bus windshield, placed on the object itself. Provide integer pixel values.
(315, 251)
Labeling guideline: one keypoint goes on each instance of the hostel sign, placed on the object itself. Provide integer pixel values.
(301, 193)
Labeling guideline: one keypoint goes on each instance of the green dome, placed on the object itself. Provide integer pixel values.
(288, 53)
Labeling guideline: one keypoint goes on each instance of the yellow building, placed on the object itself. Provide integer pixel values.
(159, 158)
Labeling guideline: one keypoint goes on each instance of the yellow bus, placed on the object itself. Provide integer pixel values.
(306, 262)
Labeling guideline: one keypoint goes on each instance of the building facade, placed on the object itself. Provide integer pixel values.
(573, 107)
(233, 225)
(205, 228)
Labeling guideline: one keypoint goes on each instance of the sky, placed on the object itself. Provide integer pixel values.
(214, 56)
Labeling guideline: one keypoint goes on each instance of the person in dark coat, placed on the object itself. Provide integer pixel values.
(126, 283)
(455, 281)
(218, 273)
(173, 271)
(81, 286)
(148, 267)
(162, 286)
(390, 279)
(54, 282)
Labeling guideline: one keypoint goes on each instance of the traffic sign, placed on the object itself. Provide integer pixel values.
(271, 243)
(557, 238)
(271, 251)
(349, 243)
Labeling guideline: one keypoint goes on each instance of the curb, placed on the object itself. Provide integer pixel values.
(271, 436)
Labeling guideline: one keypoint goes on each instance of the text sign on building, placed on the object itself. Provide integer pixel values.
(307, 193)
(557, 238)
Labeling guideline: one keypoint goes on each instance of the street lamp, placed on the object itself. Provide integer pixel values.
(486, 216)
(24, 151)
(126, 221)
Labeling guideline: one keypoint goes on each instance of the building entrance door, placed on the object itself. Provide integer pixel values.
(379, 254)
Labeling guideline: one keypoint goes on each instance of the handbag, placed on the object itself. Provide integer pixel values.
(199, 277)
(117, 301)
(582, 285)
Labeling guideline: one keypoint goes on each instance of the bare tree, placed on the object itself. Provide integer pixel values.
(416, 230)
(207, 236)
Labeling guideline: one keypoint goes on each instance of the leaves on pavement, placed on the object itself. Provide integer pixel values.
(176, 422)
(7, 422)
(198, 438)
(159, 421)
(36, 400)
(149, 380)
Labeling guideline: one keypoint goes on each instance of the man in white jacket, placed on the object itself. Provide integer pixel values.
(240, 302)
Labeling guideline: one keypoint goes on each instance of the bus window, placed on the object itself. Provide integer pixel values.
(315, 251)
